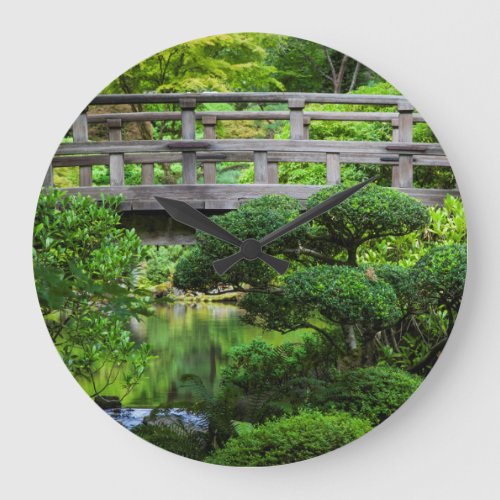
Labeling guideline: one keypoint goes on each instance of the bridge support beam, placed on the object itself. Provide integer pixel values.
(158, 229)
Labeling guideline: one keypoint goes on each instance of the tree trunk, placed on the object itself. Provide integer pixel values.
(350, 337)
(340, 74)
(351, 257)
(354, 77)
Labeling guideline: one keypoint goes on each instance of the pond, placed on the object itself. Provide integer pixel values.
(189, 338)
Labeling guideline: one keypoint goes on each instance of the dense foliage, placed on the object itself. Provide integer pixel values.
(372, 393)
(291, 439)
(373, 288)
(85, 273)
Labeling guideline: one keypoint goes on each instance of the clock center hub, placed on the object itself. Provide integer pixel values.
(251, 249)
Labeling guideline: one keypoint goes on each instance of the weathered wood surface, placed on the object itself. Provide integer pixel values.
(255, 97)
(224, 145)
(247, 156)
(80, 134)
(116, 161)
(333, 168)
(224, 196)
(209, 168)
(353, 116)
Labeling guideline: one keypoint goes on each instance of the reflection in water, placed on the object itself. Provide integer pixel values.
(189, 338)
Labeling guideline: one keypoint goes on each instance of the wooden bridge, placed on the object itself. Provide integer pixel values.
(141, 209)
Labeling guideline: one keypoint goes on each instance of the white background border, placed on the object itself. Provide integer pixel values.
(444, 443)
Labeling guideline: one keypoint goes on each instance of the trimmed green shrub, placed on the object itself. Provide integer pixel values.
(290, 439)
(373, 393)
(373, 212)
(440, 275)
(344, 295)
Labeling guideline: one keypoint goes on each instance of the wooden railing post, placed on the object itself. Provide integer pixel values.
(404, 177)
(188, 120)
(209, 168)
(333, 168)
(81, 134)
(307, 122)
(296, 107)
(116, 160)
(48, 180)
(395, 138)
(260, 167)
(147, 174)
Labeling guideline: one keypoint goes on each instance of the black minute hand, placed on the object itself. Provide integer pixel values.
(222, 265)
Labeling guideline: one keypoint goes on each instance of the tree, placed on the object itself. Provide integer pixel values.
(305, 66)
(374, 212)
(85, 273)
(232, 62)
(317, 297)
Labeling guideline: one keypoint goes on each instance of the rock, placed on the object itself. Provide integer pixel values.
(108, 402)
(162, 417)
(172, 416)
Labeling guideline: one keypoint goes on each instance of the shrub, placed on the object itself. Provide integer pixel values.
(259, 367)
(85, 274)
(345, 295)
(290, 439)
(440, 275)
(178, 439)
(372, 393)
(254, 219)
(160, 262)
(373, 212)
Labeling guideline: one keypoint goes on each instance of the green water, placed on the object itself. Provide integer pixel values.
(189, 338)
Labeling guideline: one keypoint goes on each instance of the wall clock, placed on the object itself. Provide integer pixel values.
(249, 249)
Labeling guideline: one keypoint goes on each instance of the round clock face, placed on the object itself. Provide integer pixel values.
(249, 249)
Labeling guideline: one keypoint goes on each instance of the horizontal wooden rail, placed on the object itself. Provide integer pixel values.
(245, 156)
(254, 97)
(356, 116)
(269, 145)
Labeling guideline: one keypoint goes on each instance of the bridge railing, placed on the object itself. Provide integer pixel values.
(266, 154)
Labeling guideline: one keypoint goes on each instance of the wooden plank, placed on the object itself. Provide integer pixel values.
(395, 138)
(272, 172)
(225, 145)
(209, 168)
(403, 177)
(307, 123)
(148, 116)
(257, 97)
(260, 167)
(333, 168)
(116, 161)
(296, 107)
(147, 174)
(142, 197)
(80, 135)
(48, 180)
(247, 156)
(188, 132)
